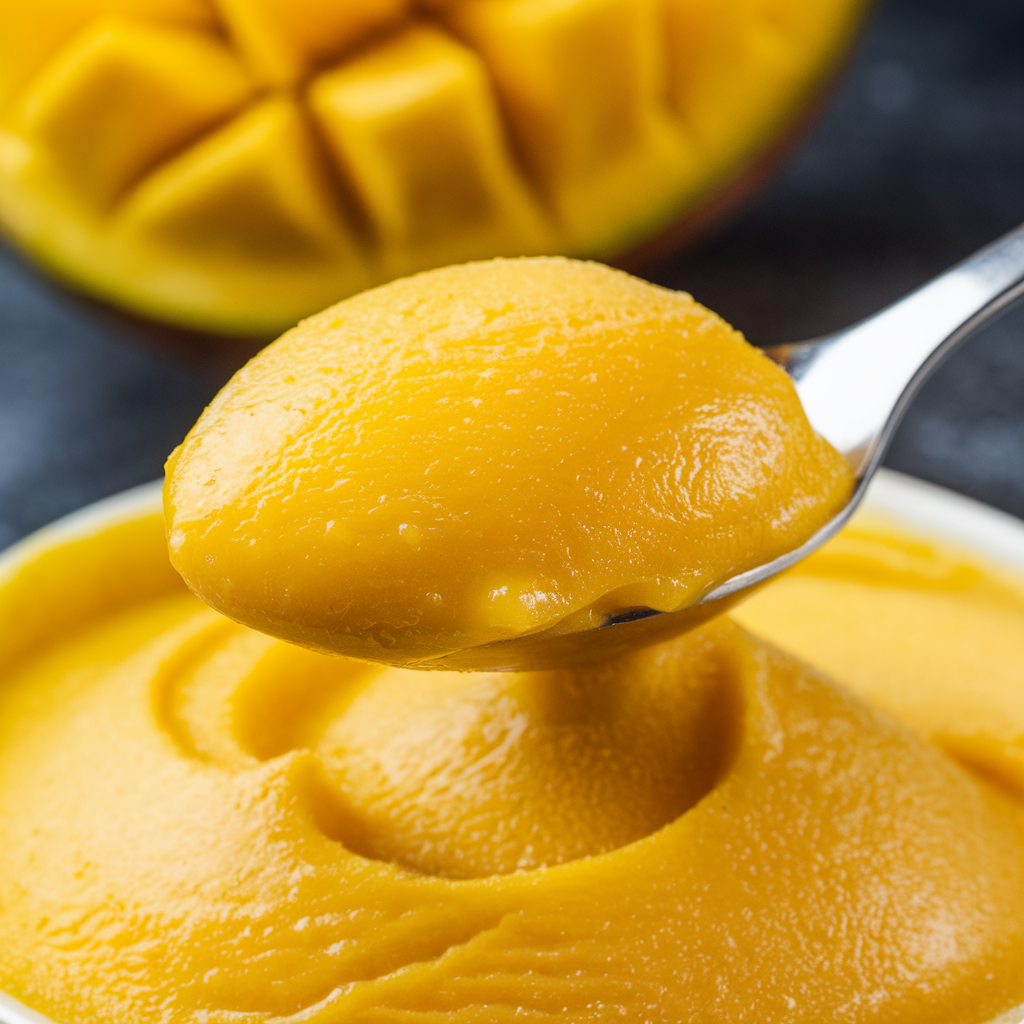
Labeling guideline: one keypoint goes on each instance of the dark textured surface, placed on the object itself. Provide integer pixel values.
(920, 161)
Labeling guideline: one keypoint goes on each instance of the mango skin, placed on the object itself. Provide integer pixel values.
(234, 166)
(180, 842)
(489, 451)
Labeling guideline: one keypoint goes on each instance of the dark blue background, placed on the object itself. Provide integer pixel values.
(919, 161)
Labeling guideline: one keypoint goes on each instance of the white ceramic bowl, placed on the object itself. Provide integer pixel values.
(924, 509)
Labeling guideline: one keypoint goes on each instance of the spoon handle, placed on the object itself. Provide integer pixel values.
(856, 384)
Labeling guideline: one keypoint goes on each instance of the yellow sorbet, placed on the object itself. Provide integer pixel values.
(202, 823)
(490, 451)
(906, 623)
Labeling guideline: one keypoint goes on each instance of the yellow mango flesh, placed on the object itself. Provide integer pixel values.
(425, 134)
(491, 451)
(201, 822)
(461, 196)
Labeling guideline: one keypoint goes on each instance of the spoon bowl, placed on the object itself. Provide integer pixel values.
(855, 386)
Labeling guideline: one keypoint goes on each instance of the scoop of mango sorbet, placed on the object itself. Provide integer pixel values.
(488, 452)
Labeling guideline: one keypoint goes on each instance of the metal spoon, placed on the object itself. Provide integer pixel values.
(855, 386)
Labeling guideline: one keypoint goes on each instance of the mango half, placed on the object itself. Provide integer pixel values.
(233, 166)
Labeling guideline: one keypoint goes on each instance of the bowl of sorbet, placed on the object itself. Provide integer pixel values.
(812, 809)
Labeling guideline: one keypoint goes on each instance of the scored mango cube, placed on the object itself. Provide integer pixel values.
(254, 190)
(31, 33)
(122, 97)
(416, 131)
(733, 65)
(283, 40)
(584, 83)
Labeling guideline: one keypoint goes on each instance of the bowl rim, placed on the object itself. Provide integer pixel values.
(931, 511)
(118, 508)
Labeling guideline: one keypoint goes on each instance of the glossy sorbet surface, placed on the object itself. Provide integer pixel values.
(202, 823)
(491, 451)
